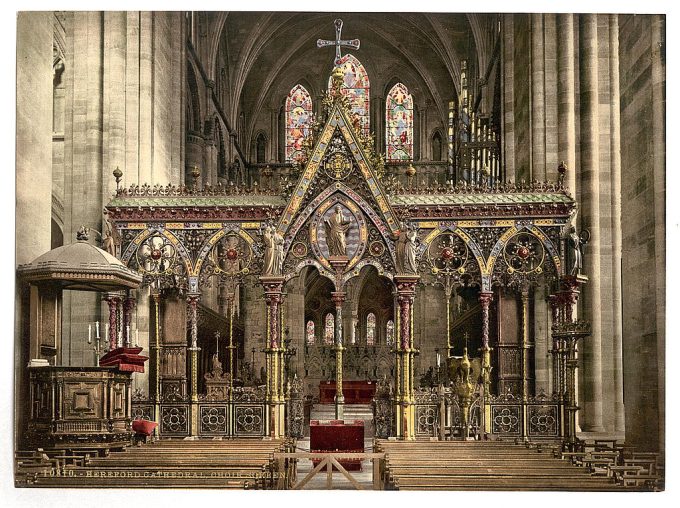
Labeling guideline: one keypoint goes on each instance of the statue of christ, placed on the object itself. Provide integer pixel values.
(336, 229)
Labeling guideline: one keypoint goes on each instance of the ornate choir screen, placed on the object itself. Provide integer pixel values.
(346, 216)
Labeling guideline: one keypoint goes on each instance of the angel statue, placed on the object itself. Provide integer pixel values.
(336, 229)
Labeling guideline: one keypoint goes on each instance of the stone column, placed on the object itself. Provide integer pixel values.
(508, 97)
(541, 340)
(537, 100)
(554, 301)
(273, 287)
(658, 82)
(566, 98)
(615, 146)
(485, 299)
(338, 298)
(113, 98)
(590, 148)
(405, 351)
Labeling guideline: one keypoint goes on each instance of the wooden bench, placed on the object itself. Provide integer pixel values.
(451, 465)
(186, 464)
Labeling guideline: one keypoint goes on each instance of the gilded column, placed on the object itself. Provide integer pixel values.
(615, 146)
(537, 99)
(338, 298)
(590, 152)
(525, 343)
(156, 297)
(273, 288)
(566, 114)
(192, 300)
(406, 290)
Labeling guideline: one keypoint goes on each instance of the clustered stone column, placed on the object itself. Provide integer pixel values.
(405, 352)
(273, 295)
(590, 168)
(338, 298)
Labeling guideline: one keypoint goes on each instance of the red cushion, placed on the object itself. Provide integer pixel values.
(144, 427)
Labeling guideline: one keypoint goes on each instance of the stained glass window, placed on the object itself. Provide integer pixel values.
(370, 329)
(399, 124)
(298, 115)
(329, 330)
(357, 88)
(389, 333)
(310, 332)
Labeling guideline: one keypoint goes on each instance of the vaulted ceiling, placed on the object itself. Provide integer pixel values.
(263, 55)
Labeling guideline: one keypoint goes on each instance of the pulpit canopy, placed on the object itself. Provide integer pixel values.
(80, 266)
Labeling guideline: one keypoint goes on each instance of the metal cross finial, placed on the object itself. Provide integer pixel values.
(338, 42)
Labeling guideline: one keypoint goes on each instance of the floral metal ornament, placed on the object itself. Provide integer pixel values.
(231, 255)
(156, 256)
(524, 253)
(447, 253)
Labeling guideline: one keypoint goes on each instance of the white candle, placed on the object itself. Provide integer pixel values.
(97, 328)
(127, 333)
(107, 331)
(137, 337)
(89, 334)
(439, 360)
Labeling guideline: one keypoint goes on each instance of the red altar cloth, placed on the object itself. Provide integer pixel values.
(144, 427)
(338, 436)
(355, 392)
(125, 359)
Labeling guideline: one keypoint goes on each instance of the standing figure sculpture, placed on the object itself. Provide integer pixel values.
(576, 241)
(271, 257)
(406, 251)
(336, 230)
(108, 243)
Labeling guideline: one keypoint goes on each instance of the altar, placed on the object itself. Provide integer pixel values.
(355, 392)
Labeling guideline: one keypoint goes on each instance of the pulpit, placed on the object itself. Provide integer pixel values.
(79, 407)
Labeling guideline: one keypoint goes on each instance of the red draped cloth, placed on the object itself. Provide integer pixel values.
(337, 436)
(355, 392)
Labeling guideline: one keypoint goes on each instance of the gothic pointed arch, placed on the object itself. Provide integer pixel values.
(357, 88)
(399, 116)
(298, 114)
